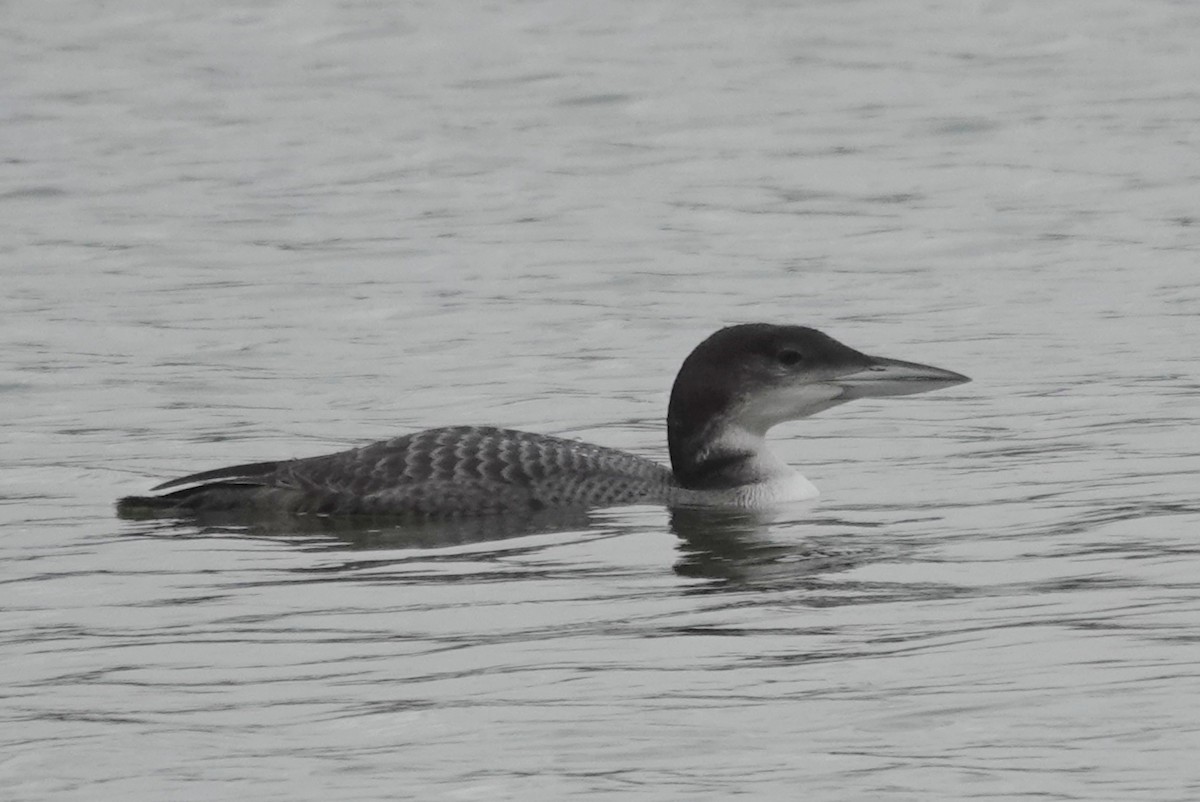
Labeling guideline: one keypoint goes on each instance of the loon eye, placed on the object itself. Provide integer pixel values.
(789, 357)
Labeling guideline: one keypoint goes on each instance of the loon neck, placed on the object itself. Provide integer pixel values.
(721, 456)
(712, 444)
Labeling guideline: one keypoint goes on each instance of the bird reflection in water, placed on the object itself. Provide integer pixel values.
(730, 548)
(741, 549)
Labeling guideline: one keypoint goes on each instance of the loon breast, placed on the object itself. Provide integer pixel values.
(731, 389)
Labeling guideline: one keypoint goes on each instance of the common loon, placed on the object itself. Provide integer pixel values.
(730, 391)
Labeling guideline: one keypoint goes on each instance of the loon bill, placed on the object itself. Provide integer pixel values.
(730, 391)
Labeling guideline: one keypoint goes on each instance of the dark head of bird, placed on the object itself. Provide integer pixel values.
(745, 379)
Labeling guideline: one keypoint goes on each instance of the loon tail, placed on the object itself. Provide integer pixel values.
(217, 496)
(239, 487)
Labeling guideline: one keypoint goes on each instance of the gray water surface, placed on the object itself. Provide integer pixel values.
(246, 231)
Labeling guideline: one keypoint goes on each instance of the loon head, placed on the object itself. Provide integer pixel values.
(745, 379)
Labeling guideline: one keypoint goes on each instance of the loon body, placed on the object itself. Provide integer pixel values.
(731, 389)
